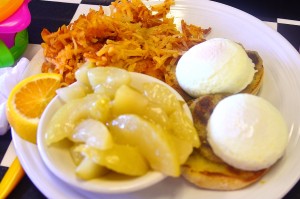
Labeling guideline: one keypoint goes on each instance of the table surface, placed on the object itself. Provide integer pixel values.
(282, 16)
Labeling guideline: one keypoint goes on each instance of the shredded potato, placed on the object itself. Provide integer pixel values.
(133, 37)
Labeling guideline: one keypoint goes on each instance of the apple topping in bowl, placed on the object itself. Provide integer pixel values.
(125, 123)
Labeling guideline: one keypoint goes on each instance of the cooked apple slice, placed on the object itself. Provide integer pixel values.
(128, 100)
(93, 133)
(120, 158)
(179, 123)
(64, 121)
(74, 91)
(87, 169)
(156, 114)
(153, 142)
(181, 126)
(183, 148)
(107, 79)
(81, 74)
(160, 94)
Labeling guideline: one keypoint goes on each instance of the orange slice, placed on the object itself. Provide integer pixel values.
(27, 101)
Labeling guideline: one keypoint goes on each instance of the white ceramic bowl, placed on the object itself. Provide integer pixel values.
(59, 161)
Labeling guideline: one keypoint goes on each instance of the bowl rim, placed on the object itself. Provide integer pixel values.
(97, 185)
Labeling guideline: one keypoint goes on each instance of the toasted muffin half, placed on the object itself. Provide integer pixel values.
(256, 84)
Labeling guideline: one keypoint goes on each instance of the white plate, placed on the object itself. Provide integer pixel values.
(281, 88)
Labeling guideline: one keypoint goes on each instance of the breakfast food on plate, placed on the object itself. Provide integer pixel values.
(257, 141)
(27, 101)
(238, 141)
(133, 37)
(205, 72)
(247, 132)
(122, 127)
(215, 66)
(257, 81)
